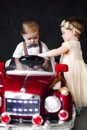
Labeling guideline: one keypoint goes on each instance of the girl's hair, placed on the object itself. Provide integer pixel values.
(30, 26)
(73, 22)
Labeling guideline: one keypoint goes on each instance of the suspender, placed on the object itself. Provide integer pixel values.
(40, 47)
(25, 48)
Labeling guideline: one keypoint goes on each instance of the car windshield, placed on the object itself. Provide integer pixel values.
(46, 66)
(33, 64)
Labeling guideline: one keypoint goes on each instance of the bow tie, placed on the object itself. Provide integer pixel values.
(33, 45)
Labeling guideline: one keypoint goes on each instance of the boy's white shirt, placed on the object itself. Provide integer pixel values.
(19, 51)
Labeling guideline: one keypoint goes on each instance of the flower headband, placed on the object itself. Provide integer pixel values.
(68, 25)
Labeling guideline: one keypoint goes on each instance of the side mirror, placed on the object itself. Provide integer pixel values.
(60, 68)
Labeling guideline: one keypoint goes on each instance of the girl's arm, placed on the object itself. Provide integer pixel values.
(55, 52)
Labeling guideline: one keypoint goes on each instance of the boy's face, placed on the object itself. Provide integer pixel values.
(31, 38)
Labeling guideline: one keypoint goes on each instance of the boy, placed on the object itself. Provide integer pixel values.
(31, 44)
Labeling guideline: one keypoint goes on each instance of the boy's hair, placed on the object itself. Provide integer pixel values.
(29, 26)
(73, 22)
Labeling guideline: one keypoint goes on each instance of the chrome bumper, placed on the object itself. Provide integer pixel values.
(47, 126)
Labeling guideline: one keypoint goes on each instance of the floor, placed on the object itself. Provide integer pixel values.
(81, 121)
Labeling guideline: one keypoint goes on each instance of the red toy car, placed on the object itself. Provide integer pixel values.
(28, 100)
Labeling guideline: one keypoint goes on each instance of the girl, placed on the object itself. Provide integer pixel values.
(71, 54)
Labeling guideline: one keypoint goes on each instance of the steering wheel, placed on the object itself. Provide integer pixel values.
(31, 60)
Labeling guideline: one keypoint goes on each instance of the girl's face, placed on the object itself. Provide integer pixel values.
(31, 38)
(66, 34)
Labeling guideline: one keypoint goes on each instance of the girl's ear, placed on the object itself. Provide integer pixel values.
(73, 31)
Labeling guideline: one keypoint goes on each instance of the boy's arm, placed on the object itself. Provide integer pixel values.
(18, 64)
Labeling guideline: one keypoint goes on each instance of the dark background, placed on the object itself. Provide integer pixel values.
(48, 14)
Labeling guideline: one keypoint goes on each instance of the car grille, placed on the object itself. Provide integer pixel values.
(17, 105)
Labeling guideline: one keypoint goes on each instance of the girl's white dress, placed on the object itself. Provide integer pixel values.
(76, 77)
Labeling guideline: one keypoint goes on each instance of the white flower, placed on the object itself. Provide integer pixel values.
(68, 25)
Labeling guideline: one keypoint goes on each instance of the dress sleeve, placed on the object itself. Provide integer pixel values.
(66, 44)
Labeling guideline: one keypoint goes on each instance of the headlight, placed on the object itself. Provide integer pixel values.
(52, 104)
(5, 118)
(37, 119)
(63, 115)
